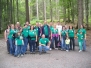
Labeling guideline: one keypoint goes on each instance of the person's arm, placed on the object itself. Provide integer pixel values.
(5, 35)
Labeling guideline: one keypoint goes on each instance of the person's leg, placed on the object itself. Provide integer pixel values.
(34, 45)
(62, 43)
(31, 45)
(73, 40)
(52, 43)
(70, 43)
(84, 45)
(80, 45)
(25, 44)
(40, 48)
(16, 50)
(8, 46)
(45, 48)
(11, 46)
(56, 42)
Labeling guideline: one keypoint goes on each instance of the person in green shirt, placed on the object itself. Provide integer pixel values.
(32, 39)
(63, 35)
(80, 40)
(25, 33)
(11, 40)
(19, 43)
(44, 44)
(71, 34)
(83, 30)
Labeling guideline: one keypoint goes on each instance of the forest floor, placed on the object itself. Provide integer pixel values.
(53, 59)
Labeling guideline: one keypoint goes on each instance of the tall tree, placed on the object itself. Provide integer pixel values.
(80, 12)
(17, 10)
(87, 9)
(27, 11)
(44, 9)
(37, 9)
(51, 11)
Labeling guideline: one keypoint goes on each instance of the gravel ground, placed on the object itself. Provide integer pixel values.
(53, 59)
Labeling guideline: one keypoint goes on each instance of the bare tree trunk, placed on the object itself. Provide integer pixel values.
(44, 9)
(27, 10)
(87, 9)
(51, 10)
(80, 12)
(11, 18)
(37, 8)
(17, 10)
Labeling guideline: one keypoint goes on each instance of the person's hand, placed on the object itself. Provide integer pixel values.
(5, 40)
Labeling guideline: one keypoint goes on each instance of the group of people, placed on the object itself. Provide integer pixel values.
(42, 37)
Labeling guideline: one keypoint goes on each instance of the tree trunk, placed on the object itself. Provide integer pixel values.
(44, 9)
(27, 10)
(87, 9)
(51, 10)
(0, 15)
(80, 12)
(11, 11)
(37, 9)
(17, 15)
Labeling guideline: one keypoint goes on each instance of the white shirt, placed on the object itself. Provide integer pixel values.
(59, 27)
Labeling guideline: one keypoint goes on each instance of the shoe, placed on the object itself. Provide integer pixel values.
(33, 52)
(18, 56)
(56, 48)
(67, 50)
(40, 53)
(50, 49)
(22, 55)
(80, 50)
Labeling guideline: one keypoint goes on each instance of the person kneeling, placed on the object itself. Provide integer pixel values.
(44, 44)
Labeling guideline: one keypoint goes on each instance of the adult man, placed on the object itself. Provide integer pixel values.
(44, 44)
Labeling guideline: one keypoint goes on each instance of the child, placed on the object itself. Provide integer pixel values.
(19, 43)
(67, 42)
(80, 40)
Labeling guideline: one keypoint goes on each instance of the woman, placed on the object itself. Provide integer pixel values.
(63, 35)
(11, 39)
(71, 34)
(6, 32)
(84, 36)
(54, 36)
(32, 39)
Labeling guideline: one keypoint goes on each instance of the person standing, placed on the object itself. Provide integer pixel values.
(63, 35)
(80, 40)
(67, 42)
(33, 39)
(19, 43)
(11, 39)
(6, 32)
(25, 34)
(84, 37)
(71, 35)
(46, 30)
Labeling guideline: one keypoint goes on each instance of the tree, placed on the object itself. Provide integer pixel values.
(27, 10)
(80, 12)
(37, 9)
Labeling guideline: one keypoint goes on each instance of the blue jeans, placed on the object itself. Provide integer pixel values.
(25, 44)
(84, 44)
(12, 46)
(32, 45)
(67, 46)
(8, 46)
(19, 49)
(45, 48)
(63, 46)
(16, 48)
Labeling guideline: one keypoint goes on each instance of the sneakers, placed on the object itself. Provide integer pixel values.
(67, 50)
(80, 50)
(50, 49)
(22, 55)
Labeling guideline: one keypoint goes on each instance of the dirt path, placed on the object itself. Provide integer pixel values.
(54, 59)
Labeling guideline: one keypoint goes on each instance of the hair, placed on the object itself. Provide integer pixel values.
(69, 27)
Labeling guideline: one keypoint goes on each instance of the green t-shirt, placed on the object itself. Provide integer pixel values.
(80, 37)
(19, 41)
(55, 31)
(71, 33)
(44, 41)
(63, 32)
(32, 34)
(25, 32)
(83, 32)
(36, 29)
(45, 29)
(51, 28)
(10, 35)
